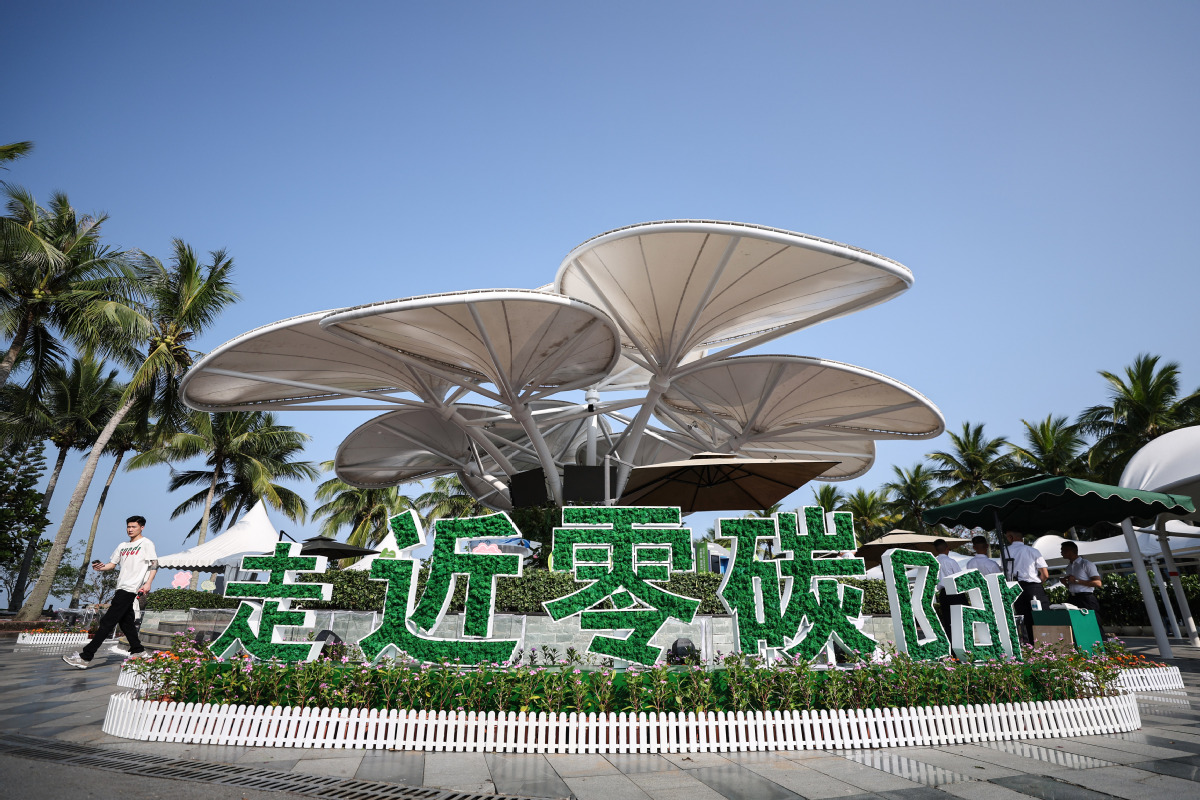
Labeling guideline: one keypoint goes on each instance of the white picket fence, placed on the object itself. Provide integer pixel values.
(1150, 679)
(53, 638)
(129, 679)
(261, 726)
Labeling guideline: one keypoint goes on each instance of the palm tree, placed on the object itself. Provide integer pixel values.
(1052, 447)
(177, 304)
(245, 453)
(1143, 404)
(11, 152)
(828, 496)
(447, 499)
(365, 511)
(871, 515)
(975, 465)
(57, 280)
(911, 494)
(77, 402)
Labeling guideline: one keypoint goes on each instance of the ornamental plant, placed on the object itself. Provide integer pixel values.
(737, 682)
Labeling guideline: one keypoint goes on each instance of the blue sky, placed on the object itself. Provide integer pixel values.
(1033, 164)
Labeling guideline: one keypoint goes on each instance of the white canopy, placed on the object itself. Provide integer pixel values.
(1115, 548)
(1170, 463)
(254, 533)
(388, 548)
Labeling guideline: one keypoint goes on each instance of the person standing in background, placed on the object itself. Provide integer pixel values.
(1028, 569)
(981, 560)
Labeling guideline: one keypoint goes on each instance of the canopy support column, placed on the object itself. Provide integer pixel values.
(1166, 599)
(592, 398)
(1143, 579)
(1185, 609)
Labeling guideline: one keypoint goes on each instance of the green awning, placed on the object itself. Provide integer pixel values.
(1055, 504)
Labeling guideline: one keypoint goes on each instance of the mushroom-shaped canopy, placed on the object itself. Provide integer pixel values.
(771, 395)
(684, 285)
(406, 445)
(515, 339)
(313, 365)
(563, 438)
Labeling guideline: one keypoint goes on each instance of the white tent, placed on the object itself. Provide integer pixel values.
(1115, 548)
(388, 548)
(253, 534)
(1170, 463)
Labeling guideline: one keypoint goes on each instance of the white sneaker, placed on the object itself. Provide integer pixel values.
(140, 654)
(120, 649)
(76, 661)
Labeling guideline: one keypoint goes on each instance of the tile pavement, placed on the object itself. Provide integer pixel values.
(42, 697)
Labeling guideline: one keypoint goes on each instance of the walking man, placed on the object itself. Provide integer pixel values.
(138, 563)
(1028, 569)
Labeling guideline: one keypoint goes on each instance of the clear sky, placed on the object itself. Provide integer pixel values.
(1034, 164)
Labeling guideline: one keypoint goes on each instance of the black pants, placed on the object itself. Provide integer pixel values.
(1024, 605)
(119, 613)
(945, 600)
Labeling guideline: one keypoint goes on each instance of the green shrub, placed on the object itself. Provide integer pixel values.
(183, 599)
(1121, 600)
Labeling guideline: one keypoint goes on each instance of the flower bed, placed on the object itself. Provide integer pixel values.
(736, 683)
(261, 726)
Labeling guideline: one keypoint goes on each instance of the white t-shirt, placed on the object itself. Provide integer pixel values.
(949, 568)
(1026, 563)
(985, 564)
(1084, 570)
(134, 559)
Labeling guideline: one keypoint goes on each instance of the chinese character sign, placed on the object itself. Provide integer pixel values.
(782, 590)
(256, 626)
(407, 623)
(812, 608)
(619, 553)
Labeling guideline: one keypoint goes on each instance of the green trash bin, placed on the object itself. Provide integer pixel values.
(1058, 624)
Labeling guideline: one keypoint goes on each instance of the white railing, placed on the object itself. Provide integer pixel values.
(1150, 679)
(53, 638)
(129, 679)
(260, 726)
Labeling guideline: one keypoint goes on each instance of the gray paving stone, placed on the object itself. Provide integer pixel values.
(795, 776)
(459, 771)
(528, 774)
(735, 781)
(339, 767)
(865, 778)
(1186, 768)
(605, 787)
(406, 767)
(1135, 784)
(580, 766)
(696, 760)
(982, 790)
(631, 763)
(1048, 788)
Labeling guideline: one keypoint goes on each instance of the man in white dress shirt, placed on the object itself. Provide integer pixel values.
(1027, 567)
(982, 561)
(1082, 578)
(948, 568)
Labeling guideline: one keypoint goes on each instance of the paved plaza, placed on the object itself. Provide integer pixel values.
(51, 745)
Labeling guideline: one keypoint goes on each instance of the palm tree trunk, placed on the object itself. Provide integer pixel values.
(17, 595)
(87, 554)
(14, 350)
(37, 600)
(212, 491)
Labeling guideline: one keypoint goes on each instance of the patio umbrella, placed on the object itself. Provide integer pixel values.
(718, 482)
(1055, 504)
(330, 548)
(872, 552)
